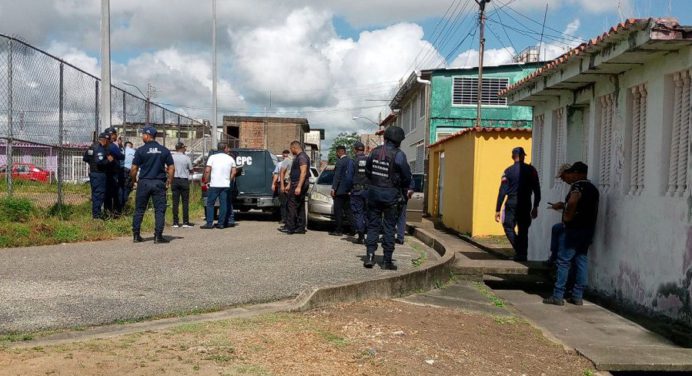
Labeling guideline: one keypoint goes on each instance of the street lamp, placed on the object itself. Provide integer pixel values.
(366, 118)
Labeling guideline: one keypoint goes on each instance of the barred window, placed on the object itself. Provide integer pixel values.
(560, 142)
(466, 91)
(537, 149)
(420, 159)
(638, 144)
(607, 103)
(680, 138)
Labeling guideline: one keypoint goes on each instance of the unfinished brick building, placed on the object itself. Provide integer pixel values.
(272, 133)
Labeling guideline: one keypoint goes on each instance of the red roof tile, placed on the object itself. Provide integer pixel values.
(481, 130)
(627, 26)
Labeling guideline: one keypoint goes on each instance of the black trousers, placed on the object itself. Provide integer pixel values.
(180, 189)
(156, 190)
(295, 218)
(283, 201)
(342, 206)
(516, 224)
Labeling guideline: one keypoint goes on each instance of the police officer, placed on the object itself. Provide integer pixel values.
(98, 158)
(114, 176)
(389, 174)
(156, 170)
(341, 187)
(518, 182)
(359, 192)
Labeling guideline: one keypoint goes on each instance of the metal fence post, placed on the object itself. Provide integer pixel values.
(61, 134)
(125, 118)
(10, 136)
(96, 113)
(179, 128)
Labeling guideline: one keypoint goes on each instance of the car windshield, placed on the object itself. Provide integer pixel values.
(326, 177)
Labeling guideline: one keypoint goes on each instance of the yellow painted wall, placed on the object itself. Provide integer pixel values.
(457, 199)
(493, 154)
(474, 163)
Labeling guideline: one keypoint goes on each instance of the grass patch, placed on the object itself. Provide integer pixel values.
(422, 254)
(507, 320)
(25, 222)
(15, 337)
(485, 291)
(251, 369)
(332, 338)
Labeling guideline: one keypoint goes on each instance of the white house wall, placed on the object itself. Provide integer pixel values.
(642, 252)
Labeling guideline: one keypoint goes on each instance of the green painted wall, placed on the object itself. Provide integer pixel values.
(448, 118)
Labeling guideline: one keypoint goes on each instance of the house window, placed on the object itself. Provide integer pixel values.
(420, 159)
(465, 91)
(559, 142)
(680, 138)
(421, 105)
(638, 138)
(414, 118)
(607, 103)
(537, 149)
(442, 135)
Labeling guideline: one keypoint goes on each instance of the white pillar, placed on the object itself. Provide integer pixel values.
(105, 65)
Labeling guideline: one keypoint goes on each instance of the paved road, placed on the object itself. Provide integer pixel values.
(96, 283)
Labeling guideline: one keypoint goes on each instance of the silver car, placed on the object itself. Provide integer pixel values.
(320, 202)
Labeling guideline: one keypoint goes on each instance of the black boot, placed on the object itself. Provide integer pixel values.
(159, 239)
(136, 238)
(369, 260)
(389, 265)
(360, 239)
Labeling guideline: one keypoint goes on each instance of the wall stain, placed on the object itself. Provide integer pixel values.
(675, 298)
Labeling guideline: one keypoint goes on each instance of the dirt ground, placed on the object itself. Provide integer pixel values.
(380, 337)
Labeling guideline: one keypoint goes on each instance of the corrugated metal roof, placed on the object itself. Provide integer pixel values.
(480, 130)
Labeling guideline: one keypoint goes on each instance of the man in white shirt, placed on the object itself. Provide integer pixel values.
(219, 172)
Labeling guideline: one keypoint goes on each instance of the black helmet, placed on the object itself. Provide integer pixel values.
(394, 134)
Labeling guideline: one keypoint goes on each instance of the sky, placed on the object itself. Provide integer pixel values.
(327, 60)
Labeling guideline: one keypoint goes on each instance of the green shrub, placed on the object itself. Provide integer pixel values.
(61, 211)
(13, 209)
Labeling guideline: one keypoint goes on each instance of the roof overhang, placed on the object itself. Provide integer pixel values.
(405, 89)
(628, 45)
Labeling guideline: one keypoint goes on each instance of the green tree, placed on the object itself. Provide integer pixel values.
(346, 139)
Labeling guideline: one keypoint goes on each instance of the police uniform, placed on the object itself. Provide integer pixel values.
(115, 179)
(359, 193)
(518, 182)
(151, 159)
(97, 158)
(341, 188)
(389, 174)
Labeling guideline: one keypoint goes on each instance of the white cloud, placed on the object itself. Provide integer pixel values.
(492, 57)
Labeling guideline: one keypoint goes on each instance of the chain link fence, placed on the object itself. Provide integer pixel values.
(49, 116)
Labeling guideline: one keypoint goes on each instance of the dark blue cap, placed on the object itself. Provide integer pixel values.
(518, 150)
(151, 131)
(578, 167)
(104, 135)
(110, 130)
(358, 145)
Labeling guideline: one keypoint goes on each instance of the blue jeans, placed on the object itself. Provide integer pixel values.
(401, 224)
(222, 195)
(557, 232)
(567, 255)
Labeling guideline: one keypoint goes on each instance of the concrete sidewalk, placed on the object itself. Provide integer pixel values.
(610, 341)
(86, 284)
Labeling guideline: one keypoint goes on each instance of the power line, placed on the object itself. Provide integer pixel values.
(430, 53)
(413, 63)
(505, 29)
(456, 25)
(504, 47)
(562, 33)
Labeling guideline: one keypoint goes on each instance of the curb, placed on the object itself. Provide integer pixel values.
(387, 287)
(395, 285)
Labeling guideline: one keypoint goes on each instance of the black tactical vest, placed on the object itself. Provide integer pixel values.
(383, 171)
(90, 157)
(360, 180)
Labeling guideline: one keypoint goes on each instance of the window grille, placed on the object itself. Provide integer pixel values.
(466, 91)
(638, 144)
(537, 149)
(560, 147)
(680, 137)
(607, 103)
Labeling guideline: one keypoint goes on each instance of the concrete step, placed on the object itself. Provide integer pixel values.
(476, 264)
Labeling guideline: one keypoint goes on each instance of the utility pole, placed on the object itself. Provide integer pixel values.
(105, 64)
(214, 109)
(481, 51)
(150, 94)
